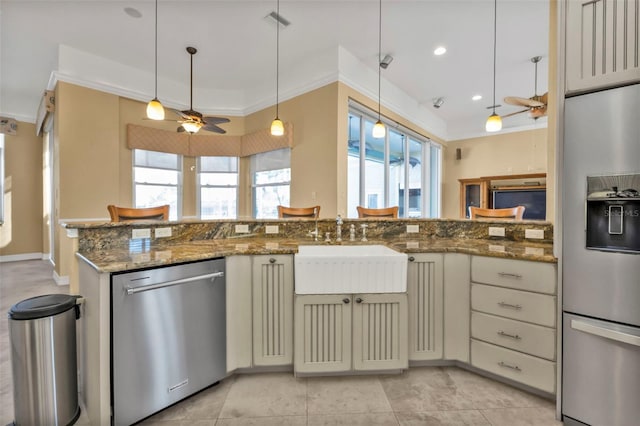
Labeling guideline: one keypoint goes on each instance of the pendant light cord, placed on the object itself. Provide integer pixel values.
(156, 47)
(379, 53)
(495, 37)
(277, 56)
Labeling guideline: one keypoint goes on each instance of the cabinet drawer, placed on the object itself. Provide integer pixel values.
(521, 336)
(518, 274)
(527, 369)
(521, 305)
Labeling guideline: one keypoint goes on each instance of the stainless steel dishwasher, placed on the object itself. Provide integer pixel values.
(168, 336)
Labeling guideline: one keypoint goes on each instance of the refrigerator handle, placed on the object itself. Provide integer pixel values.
(607, 333)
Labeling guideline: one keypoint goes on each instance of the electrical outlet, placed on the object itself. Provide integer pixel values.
(413, 229)
(536, 234)
(536, 251)
(140, 233)
(163, 232)
(242, 229)
(271, 229)
(495, 231)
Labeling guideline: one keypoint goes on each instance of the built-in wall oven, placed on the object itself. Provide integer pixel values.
(168, 336)
(601, 258)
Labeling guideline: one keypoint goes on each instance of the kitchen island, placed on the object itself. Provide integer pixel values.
(446, 249)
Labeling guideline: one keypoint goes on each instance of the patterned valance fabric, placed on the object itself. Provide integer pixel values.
(141, 137)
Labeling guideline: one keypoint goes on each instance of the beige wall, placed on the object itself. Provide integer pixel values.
(21, 232)
(496, 155)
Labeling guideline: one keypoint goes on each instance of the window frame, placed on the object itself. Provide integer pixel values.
(430, 189)
(254, 186)
(199, 186)
(179, 185)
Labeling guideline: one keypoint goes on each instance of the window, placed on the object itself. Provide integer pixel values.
(271, 181)
(157, 180)
(402, 169)
(217, 187)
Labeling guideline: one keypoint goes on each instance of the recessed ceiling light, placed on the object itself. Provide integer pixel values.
(440, 51)
(476, 97)
(134, 13)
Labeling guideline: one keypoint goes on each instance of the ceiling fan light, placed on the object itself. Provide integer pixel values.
(277, 127)
(494, 123)
(379, 131)
(191, 126)
(155, 110)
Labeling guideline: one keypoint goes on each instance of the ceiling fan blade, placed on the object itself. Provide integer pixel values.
(213, 128)
(514, 113)
(180, 114)
(514, 100)
(215, 120)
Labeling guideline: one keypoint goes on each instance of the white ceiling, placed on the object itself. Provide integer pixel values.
(234, 69)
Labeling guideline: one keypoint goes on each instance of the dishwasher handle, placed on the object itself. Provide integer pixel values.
(134, 290)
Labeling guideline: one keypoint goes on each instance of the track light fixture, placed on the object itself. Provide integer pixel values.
(384, 63)
(155, 110)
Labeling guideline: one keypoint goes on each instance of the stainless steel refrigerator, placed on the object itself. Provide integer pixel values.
(601, 258)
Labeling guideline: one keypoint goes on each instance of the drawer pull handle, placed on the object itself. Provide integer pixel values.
(272, 260)
(509, 305)
(513, 367)
(513, 336)
(509, 275)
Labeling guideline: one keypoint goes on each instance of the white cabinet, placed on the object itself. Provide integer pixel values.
(513, 320)
(259, 311)
(602, 44)
(425, 296)
(272, 286)
(344, 332)
(457, 302)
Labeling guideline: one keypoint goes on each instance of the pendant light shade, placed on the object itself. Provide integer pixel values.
(494, 122)
(277, 127)
(155, 110)
(379, 131)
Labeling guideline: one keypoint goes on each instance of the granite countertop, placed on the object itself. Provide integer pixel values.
(142, 253)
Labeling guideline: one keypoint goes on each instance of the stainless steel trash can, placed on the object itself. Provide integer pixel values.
(42, 334)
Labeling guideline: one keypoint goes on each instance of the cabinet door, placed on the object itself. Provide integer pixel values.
(380, 331)
(322, 333)
(602, 44)
(272, 284)
(473, 192)
(425, 298)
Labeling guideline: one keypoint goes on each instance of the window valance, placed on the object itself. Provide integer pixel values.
(150, 139)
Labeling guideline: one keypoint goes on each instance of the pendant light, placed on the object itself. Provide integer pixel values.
(277, 127)
(494, 122)
(155, 110)
(379, 130)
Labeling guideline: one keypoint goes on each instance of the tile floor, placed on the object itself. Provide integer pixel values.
(420, 396)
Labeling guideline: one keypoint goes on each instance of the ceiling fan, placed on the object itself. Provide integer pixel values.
(536, 105)
(191, 120)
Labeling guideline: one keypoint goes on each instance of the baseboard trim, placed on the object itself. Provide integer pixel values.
(19, 257)
(60, 280)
